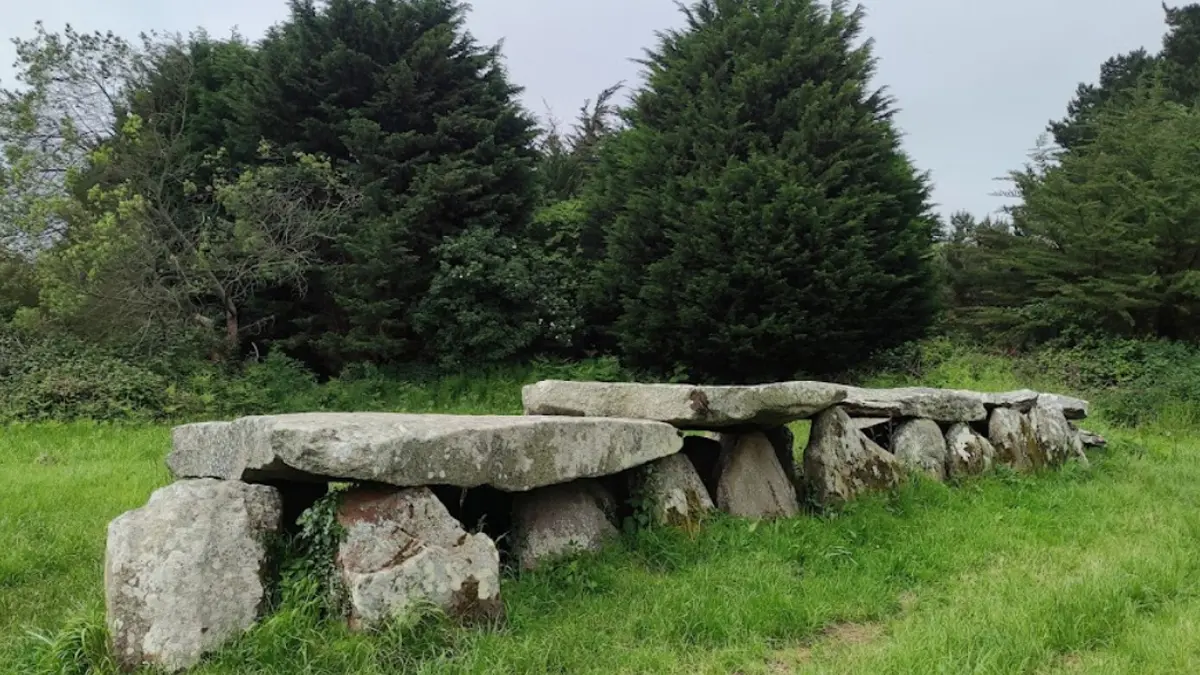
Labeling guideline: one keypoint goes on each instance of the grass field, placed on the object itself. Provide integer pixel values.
(1079, 571)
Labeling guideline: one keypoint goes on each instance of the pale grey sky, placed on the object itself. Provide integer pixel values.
(976, 80)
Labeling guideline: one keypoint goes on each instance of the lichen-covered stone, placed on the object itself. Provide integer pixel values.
(184, 574)
(969, 454)
(402, 549)
(1015, 442)
(920, 446)
(1055, 435)
(751, 483)
(684, 406)
(1021, 400)
(560, 520)
(671, 491)
(513, 453)
(840, 462)
(940, 405)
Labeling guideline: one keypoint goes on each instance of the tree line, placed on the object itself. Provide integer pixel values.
(363, 186)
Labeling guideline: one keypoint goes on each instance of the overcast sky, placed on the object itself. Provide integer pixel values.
(976, 80)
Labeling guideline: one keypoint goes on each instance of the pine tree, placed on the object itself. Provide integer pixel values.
(1177, 67)
(1110, 237)
(426, 122)
(758, 219)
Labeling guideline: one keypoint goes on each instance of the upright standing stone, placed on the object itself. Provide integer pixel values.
(969, 453)
(840, 462)
(402, 548)
(751, 483)
(671, 491)
(559, 520)
(1012, 435)
(185, 573)
(920, 446)
(1055, 435)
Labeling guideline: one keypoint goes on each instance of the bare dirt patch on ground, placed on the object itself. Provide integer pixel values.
(837, 636)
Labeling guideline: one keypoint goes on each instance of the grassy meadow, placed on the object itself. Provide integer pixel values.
(1077, 571)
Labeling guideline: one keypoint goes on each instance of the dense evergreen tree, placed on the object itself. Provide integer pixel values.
(758, 219)
(980, 279)
(427, 124)
(1177, 64)
(1111, 229)
(1104, 236)
(568, 156)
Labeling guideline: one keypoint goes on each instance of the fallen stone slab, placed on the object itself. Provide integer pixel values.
(512, 453)
(840, 462)
(1091, 439)
(671, 492)
(684, 406)
(1072, 408)
(184, 574)
(968, 453)
(402, 549)
(939, 405)
(751, 482)
(561, 520)
(920, 445)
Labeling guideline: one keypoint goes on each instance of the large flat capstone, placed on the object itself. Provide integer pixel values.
(939, 405)
(684, 406)
(512, 453)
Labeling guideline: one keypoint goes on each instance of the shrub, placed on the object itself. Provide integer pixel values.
(1134, 382)
(61, 379)
(494, 298)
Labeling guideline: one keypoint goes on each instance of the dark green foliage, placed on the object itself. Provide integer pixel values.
(1117, 75)
(59, 377)
(567, 158)
(494, 297)
(311, 558)
(1177, 64)
(427, 125)
(758, 218)
(1105, 239)
(45, 378)
(18, 284)
(1132, 382)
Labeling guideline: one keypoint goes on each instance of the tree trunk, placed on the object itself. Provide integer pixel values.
(232, 330)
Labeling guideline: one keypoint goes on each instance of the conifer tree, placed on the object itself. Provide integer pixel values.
(427, 124)
(1108, 238)
(758, 219)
